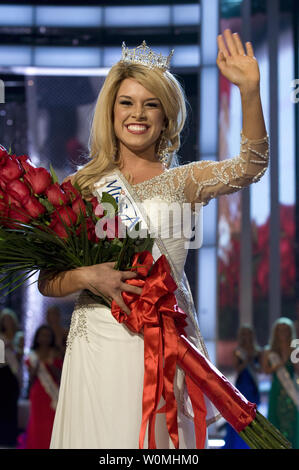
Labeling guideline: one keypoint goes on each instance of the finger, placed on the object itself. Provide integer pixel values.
(221, 60)
(128, 288)
(230, 42)
(222, 46)
(120, 302)
(249, 49)
(128, 274)
(238, 44)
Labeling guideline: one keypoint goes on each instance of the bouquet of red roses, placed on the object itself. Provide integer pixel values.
(48, 226)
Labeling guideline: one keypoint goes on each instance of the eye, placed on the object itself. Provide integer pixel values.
(153, 105)
(125, 102)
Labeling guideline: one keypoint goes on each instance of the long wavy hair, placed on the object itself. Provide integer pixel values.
(103, 144)
(274, 342)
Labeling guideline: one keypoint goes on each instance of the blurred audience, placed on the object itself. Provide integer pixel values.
(247, 363)
(53, 317)
(283, 397)
(10, 377)
(44, 363)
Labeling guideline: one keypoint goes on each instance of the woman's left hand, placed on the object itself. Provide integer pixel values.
(237, 66)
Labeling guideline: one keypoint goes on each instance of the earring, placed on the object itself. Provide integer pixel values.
(163, 152)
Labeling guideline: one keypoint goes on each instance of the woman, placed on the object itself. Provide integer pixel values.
(53, 317)
(9, 379)
(247, 363)
(44, 367)
(283, 410)
(136, 129)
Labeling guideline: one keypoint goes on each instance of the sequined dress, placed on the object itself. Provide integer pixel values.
(100, 398)
(282, 411)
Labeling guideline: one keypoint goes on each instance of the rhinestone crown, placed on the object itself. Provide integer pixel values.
(145, 56)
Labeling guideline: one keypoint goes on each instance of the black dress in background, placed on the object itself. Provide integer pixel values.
(9, 394)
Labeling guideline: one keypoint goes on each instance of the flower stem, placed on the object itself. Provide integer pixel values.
(261, 434)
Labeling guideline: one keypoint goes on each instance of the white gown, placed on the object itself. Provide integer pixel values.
(100, 397)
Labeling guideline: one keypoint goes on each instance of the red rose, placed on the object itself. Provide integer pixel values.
(34, 207)
(79, 206)
(17, 213)
(9, 200)
(113, 228)
(3, 155)
(18, 190)
(91, 233)
(59, 229)
(26, 162)
(11, 170)
(39, 179)
(55, 195)
(65, 215)
(71, 192)
(3, 209)
(97, 207)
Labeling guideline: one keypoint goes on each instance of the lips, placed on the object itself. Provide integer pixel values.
(137, 128)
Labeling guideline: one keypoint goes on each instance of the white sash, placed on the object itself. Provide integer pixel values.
(45, 378)
(284, 378)
(132, 211)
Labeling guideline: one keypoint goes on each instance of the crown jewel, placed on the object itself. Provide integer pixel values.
(145, 56)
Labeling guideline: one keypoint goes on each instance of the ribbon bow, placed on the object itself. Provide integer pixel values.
(156, 312)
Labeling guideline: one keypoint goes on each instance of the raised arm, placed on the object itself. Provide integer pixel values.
(207, 179)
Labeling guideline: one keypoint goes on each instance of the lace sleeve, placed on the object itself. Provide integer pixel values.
(207, 179)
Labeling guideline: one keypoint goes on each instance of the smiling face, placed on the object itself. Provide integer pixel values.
(139, 118)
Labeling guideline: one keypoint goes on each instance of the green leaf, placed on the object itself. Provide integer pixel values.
(47, 204)
(53, 174)
(107, 198)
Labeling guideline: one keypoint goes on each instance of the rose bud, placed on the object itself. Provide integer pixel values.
(78, 206)
(3, 155)
(18, 213)
(55, 195)
(39, 179)
(3, 208)
(9, 200)
(65, 215)
(34, 207)
(18, 190)
(26, 163)
(97, 207)
(113, 228)
(71, 192)
(90, 227)
(11, 170)
(2, 184)
(59, 229)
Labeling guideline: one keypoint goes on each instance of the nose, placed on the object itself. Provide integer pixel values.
(138, 112)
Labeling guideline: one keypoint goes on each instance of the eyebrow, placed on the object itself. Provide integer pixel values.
(149, 99)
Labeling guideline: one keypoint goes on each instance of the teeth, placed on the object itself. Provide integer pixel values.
(134, 127)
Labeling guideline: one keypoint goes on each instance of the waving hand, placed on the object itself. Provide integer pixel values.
(238, 66)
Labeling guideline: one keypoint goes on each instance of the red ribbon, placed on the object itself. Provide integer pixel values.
(233, 406)
(156, 312)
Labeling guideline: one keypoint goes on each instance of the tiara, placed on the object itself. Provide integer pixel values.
(145, 56)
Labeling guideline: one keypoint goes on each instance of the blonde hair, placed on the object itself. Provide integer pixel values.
(8, 312)
(103, 143)
(274, 339)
